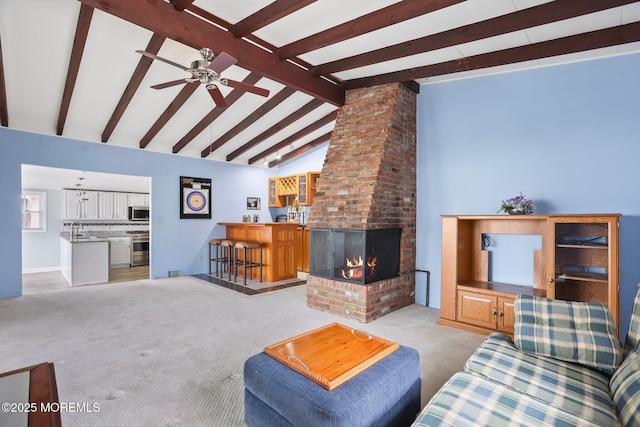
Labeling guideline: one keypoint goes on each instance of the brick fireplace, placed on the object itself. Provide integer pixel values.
(368, 182)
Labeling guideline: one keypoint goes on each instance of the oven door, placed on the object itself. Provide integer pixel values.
(140, 252)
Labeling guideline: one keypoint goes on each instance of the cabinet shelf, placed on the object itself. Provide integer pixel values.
(585, 277)
(501, 288)
(580, 246)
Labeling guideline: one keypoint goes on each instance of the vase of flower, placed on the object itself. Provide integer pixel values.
(517, 205)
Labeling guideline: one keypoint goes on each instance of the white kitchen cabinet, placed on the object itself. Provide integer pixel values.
(71, 209)
(113, 205)
(84, 262)
(137, 199)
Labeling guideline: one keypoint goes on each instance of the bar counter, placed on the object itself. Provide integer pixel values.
(278, 247)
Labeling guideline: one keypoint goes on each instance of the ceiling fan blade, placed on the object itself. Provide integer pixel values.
(169, 84)
(222, 62)
(247, 87)
(217, 96)
(159, 58)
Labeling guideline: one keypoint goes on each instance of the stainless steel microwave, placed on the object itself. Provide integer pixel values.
(138, 213)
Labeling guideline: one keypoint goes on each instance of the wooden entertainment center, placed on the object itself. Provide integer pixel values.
(577, 261)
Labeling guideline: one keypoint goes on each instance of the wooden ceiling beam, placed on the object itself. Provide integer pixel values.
(212, 115)
(4, 107)
(184, 94)
(79, 41)
(291, 118)
(181, 4)
(134, 83)
(272, 103)
(390, 15)
(534, 16)
(268, 14)
(296, 136)
(614, 36)
(301, 150)
(160, 17)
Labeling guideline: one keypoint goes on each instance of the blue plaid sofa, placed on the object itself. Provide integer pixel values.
(564, 367)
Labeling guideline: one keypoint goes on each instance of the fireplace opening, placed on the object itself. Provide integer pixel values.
(356, 256)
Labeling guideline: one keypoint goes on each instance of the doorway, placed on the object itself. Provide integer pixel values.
(41, 250)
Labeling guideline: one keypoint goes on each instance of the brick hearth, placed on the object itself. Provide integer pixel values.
(368, 181)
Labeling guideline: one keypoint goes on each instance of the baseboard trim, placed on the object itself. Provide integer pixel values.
(41, 270)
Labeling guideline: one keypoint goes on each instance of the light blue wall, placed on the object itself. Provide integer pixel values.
(41, 250)
(175, 244)
(567, 136)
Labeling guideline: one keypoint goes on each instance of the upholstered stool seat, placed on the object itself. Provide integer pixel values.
(214, 246)
(247, 248)
(385, 394)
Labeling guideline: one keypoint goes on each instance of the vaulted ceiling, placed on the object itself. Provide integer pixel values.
(70, 67)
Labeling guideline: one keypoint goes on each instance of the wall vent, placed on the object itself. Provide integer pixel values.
(173, 273)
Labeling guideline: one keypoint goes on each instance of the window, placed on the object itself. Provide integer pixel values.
(34, 211)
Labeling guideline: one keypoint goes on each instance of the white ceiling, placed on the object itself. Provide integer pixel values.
(37, 38)
(46, 178)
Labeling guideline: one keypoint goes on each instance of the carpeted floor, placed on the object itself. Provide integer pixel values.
(170, 352)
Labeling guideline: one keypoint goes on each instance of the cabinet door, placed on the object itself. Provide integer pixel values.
(477, 309)
(120, 206)
(272, 193)
(137, 199)
(583, 260)
(106, 204)
(302, 190)
(506, 314)
(70, 205)
(90, 206)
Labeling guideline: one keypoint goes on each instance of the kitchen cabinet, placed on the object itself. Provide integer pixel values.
(84, 262)
(72, 209)
(577, 261)
(113, 205)
(307, 187)
(278, 247)
(137, 199)
(290, 189)
(302, 249)
(274, 200)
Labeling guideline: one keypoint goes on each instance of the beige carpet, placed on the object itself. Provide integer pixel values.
(170, 352)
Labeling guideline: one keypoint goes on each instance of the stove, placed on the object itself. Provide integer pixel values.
(139, 248)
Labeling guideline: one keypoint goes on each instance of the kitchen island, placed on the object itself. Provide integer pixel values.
(84, 260)
(278, 247)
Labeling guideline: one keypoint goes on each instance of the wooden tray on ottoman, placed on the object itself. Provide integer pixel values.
(332, 354)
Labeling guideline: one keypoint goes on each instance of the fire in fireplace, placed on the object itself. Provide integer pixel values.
(357, 256)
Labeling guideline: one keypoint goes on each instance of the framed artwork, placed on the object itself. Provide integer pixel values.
(253, 203)
(195, 198)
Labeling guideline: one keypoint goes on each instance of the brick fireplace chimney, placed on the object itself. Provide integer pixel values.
(368, 182)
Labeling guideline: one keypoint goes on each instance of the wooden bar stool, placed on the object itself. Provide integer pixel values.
(214, 244)
(248, 265)
(228, 254)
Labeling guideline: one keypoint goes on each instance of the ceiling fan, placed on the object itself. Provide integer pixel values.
(207, 71)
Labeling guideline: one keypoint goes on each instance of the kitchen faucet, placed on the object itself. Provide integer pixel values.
(75, 227)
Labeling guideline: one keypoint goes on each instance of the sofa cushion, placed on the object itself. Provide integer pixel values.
(574, 388)
(633, 335)
(468, 400)
(625, 388)
(580, 332)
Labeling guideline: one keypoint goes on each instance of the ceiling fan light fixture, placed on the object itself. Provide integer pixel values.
(206, 53)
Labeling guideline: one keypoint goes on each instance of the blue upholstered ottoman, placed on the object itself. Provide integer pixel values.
(385, 394)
